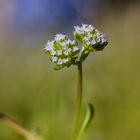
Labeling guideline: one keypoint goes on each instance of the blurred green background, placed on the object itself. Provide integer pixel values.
(43, 100)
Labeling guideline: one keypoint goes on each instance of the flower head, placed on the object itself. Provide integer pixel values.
(92, 39)
(62, 51)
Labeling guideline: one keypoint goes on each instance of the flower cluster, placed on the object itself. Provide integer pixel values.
(92, 39)
(62, 51)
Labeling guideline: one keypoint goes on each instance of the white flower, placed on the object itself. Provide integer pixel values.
(65, 60)
(63, 44)
(53, 52)
(88, 43)
(59, 37)
(60, 61)
(86, 38)
(98, 40)
(59, 52)
(65, 48)
(75, 48)
(103, 39)
(93, 42)
(89, 35)
(67, 51)
(68, 41)
(64, 52)
(91, 27)
(78, 30)
(54, 59)
(73, 42)
(85, 28)
(49, 45)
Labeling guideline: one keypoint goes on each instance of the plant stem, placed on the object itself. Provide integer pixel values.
(78, 101)
(23, 131)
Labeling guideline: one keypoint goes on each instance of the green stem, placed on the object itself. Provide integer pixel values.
(78, 102)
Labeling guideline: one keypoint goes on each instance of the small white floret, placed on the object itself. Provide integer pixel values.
(89, 35)
(88, 42)
(103, 39)
(65, 47)
(60, 61)
(75, 48)
(91, 28)
(63, 44)
(68, 41)
(93, 42)
(58, 37)
(78, 30)
(67, 51)
(54, 59)
(86, 38)
(65, 60)
(59, 52)
(53, 52)
(49, 46)
(73, 42)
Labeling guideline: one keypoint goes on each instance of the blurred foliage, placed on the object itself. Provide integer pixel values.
(43, 100)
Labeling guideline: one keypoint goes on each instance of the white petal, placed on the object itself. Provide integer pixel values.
(93, 42)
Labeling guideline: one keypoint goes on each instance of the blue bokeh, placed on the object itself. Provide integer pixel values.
(32, 18)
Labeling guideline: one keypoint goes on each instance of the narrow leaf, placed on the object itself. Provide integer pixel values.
(90, 111)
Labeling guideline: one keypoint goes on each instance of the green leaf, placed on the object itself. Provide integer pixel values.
(90, 111)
